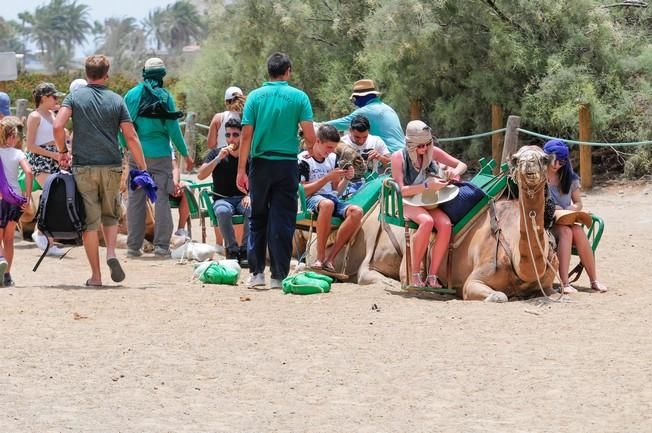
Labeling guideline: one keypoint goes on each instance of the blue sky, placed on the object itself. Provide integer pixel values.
(99, 9)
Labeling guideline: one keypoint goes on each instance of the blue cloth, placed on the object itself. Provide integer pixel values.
(4, 104)
(273, 186)
(558, 147)
(224, 209)
(383, 121)
(142, 179)
(7, 192)
(340, 207)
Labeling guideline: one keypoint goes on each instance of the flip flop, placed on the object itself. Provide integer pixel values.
(88, 283)
(328, 267)
(317, 265)
(117, 274)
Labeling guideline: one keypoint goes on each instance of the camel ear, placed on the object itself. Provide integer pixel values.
(514, 160)
(547, 159)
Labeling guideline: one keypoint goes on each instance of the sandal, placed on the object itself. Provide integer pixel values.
(90, 283)
(597, 285)
(417, 281)
(317, 265)
(433, 282)
(567, 289)
(328, 267)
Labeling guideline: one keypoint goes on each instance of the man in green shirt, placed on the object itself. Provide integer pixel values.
(270, 142)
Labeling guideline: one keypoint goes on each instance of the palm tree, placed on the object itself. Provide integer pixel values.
(154, 26)
(184, 24)
(124, 40)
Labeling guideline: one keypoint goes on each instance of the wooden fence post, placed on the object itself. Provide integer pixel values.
(511, 138)
(189, 137)
(21, 110)
(586, 163)
(496, 139)
(415, 109)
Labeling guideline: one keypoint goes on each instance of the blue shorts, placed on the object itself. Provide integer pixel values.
(340, 207)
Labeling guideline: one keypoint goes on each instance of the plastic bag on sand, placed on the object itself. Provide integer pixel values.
(193, 251)
(216, 273)
(307, 283)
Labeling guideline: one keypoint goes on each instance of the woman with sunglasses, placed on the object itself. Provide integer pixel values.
(43, 156)
(564, 186)
(414, 168)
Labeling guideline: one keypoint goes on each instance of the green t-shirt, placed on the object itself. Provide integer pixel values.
(96, 116)
(275, 111)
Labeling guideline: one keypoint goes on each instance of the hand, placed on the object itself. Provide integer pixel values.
(26, 204)
(189, 162)
(373, 155)
(242, 182)
(246, 202)
(336, 174)
(451, 174)
(350, 173)
(64, 160)
(177, 188)
(224, 152)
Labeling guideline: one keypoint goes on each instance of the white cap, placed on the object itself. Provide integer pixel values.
(76, 84)
(154, 63)
(231, 92)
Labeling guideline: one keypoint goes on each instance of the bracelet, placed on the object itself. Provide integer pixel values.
(63, 151)
(425, 184)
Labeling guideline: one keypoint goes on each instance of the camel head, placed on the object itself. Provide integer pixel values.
(529, 165)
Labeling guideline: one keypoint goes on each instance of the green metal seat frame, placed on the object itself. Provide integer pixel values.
(594, 234)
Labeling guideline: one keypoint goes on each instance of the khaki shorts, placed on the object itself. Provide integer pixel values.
(99, 187)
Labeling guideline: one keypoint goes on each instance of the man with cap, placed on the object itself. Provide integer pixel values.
(234, 101)
(271, 119)
(97, 115)
(5, 102)
(156, 120)
(383, 119)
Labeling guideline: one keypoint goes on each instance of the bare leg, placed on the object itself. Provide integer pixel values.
(564, 237)
(110, 237)
(92, 248)
(326, 208)
(7, 236)
(352, 221)
(586, 256)
(184, 211)
(422, 236)
(444, 229)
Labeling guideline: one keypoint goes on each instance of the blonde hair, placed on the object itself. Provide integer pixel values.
(236, 104)
(14, 124)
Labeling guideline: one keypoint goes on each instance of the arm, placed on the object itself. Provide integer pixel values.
(28, 180)
(334, 176)
(207, 168)
(216, 122)
(242, 180)
(33, 122)
(133, 144)
(308, 129)
(60, 134)
(343, 123)
(410, 190)
(341, 185)
(381, 153)
(456, 167)
(576, 200)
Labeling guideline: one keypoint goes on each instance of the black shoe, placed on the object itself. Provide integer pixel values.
(7, 281)
(232, 254)
(242, 258)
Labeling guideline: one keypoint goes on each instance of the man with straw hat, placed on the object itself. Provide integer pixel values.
(383, 119)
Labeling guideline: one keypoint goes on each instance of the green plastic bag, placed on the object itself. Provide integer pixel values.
(307, 283)
(216, 273)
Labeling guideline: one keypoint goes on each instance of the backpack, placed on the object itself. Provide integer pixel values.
(61, 213)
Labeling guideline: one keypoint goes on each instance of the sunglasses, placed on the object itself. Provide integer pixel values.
(424, 145)
(234, 135)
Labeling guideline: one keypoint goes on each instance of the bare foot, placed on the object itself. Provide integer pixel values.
(597, 285)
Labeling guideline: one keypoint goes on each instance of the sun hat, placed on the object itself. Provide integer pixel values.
(232, 92)
(47, 89)
(430, 198)
(417, 132)
(77, 84)
(154, 63)
(4, 104)
(565, 217)
(364, 87)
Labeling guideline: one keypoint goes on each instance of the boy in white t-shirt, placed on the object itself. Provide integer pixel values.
(323, 181)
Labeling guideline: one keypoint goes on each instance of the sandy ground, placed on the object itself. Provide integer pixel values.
(160, 353)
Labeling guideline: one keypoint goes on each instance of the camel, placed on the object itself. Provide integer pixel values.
(517, 262)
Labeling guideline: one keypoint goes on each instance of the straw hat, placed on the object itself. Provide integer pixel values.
(430, 198)
(570, 217)
(364, 88)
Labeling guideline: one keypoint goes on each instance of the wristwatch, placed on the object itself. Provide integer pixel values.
(64, 151)
(425, 184)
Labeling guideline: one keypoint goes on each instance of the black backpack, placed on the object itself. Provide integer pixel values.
(61, 213)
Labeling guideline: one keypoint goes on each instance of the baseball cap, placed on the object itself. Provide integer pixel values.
(47, 89)
(232, 92)
(76, 84)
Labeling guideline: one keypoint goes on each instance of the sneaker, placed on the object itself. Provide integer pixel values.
(162, 252)
(182, 233)
(242, 258)
(275, 284)
(3, 266)
(256, 280)
(7, 281)
(232, 254)
(55, 251)
(40, 240)
(134, 253)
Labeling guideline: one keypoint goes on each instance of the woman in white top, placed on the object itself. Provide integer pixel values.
(43, 155)
(234, 101)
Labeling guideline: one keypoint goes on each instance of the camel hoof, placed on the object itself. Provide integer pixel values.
(496, 297)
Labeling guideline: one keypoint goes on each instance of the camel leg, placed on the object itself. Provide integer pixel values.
(477, 290)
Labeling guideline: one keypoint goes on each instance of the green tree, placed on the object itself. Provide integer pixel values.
(10, 36)
(124, 40)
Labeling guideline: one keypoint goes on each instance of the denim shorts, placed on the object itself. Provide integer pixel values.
(340, 207)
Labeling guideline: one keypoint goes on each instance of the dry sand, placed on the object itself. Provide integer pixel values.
(159, 353)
